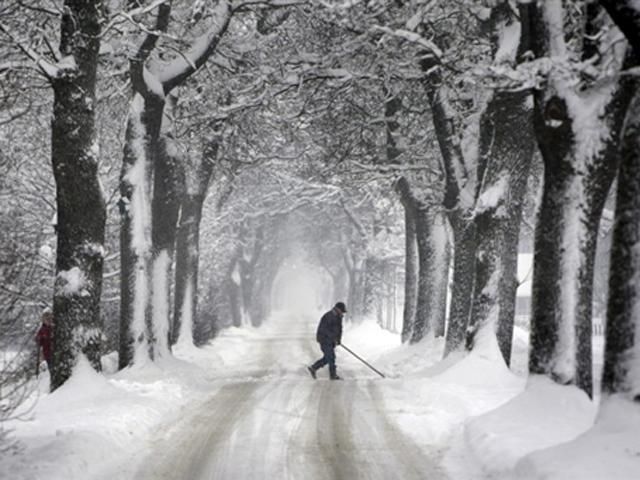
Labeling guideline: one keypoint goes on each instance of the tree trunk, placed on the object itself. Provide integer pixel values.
(234, 289)
(441, 282)
(372, 288)
(506, 150)
(458, 203)
(410, 273)
(580, 158)
(187, 262)
(508, 286)
(188, 245)
(432, 276)
(411, 259)
(622, 363)
(235, 302)
(140, 161)
(167, 192)
(464, 240)
(80, 205)
(140, 151)
(566, 235)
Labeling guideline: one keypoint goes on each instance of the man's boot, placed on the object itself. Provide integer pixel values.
(312, 371)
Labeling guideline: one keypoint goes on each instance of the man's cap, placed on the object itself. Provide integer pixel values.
(341, 306)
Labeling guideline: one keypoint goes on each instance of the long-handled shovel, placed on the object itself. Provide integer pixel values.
(362, 360)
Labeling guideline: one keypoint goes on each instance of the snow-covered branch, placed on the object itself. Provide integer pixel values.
(141, 78)
(411, 37)
(242, 4)
(626, 14)
(48, 69)
(177, 71)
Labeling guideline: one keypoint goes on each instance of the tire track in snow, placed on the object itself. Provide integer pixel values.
(187, 452)
(414, 461)
(355, 439)
(257, 447)
(335, 441)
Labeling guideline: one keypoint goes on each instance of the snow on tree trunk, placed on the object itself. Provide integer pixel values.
(506, 150)
(441, 256)
(167, 191)
(355, 287)
(410, 270)
(464, 245)
(79, 200)
(187, 261)
(197, 182)
(622, 354)
(143, 129)
(247, 273)
(372, 287)
(234, 291)
(577, 135)
(142, 146)
(626, 15)
(393, 106)
(509, 277)
(458, 201)
(432, 273)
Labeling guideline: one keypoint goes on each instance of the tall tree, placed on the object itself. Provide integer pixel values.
(505, 152)
(188, 242)
(621, 363)
(144, 330)
(79, 201)
(577, 117)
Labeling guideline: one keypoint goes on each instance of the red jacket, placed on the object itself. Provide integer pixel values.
(44, 337)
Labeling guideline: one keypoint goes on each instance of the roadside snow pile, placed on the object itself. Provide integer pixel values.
(96, 422)
(611, 449)
(545, 414)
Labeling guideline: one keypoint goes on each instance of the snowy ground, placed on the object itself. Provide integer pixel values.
(244, 407)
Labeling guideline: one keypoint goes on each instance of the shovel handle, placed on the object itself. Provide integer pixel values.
(362, 360)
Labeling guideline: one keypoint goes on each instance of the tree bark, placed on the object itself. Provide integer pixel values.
(464, 241)
(457, 202)
(80, 205)
(506, 151)
(432, 276)
(165, 206)
(622, 363)
(411, 261)
(140, 151)
(626, 15)
(141, 158)
(578, 175)
(188, 247)
(234, 292)
(248, 264)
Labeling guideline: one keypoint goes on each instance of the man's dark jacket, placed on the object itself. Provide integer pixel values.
(330, 328)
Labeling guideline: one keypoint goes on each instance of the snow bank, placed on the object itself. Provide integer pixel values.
(96, 425)
(611, 449)
(545, 414)
(470, 410)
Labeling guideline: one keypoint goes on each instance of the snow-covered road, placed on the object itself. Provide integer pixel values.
(245, 407)
(271, 420)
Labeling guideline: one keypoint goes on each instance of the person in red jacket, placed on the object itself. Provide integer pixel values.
(44, 337)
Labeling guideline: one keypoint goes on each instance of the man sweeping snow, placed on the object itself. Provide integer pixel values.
(328, 336)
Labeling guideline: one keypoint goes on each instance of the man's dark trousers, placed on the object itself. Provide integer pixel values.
(328, 349)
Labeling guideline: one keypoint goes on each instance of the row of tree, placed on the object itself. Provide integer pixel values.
(321, 114)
